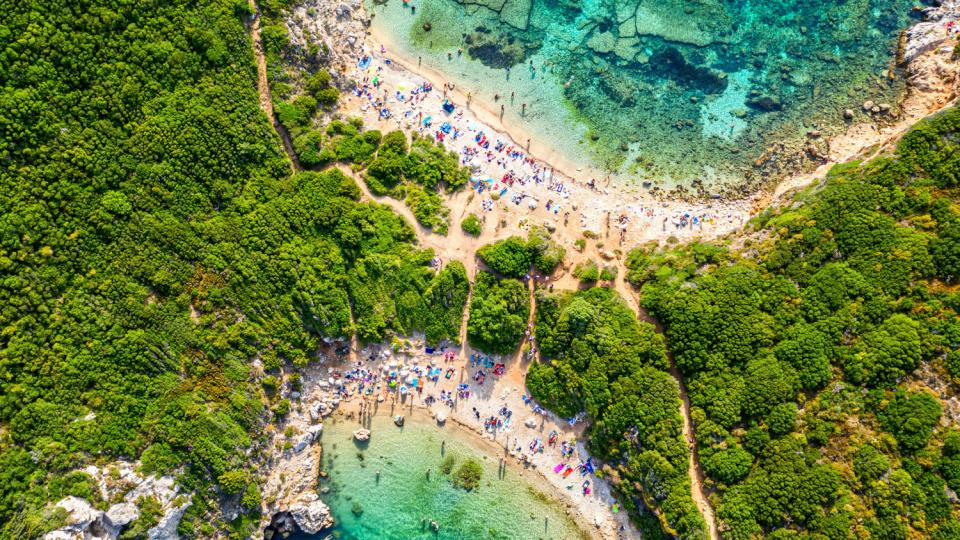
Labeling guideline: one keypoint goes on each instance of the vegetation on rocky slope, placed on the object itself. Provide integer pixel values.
(818, 350)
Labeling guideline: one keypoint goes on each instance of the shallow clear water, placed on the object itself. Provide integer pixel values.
(674, 91)
(396, 506)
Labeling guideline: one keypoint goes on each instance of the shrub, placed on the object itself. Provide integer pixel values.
(547, 254)
(869, 464)
(472, 225)
(498, 314)
(282, 408)
(232, 482)
(911, 417)
(782, 419)
(508, 257)
(446, 466)
(728, 466)
(608, 273)
(587, 271)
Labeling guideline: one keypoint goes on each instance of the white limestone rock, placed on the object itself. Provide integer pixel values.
(311, 514)
(121, 515)
(166, 529)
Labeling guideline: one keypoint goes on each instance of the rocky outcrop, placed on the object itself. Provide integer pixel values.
(602, 42)
(931, 33)
(166, 529)
(121, 480)
(361, 435)
(82, 521)
(310, 513)
(120, 515)
(292, 469)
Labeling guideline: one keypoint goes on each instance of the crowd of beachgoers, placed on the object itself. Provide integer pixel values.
(508, 180)
(485, 394)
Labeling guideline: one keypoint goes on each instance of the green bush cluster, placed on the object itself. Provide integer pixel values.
(513, 256)
(590, 272)
(499, 311)
(154, 246)
(472, 225)
(469, 474)
(418, 175)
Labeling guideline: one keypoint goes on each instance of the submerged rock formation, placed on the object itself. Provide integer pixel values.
(498, 51)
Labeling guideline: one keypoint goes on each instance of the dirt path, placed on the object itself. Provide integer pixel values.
(263, 87)
(694, 471)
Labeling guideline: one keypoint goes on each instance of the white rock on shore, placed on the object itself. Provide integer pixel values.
(926, 36)
(166, 529)
(310, 513)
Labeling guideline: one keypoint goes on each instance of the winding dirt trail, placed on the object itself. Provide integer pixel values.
(694, 471)
(263, 86)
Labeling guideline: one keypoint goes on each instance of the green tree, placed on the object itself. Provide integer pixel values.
(498, 314)
(509, 257)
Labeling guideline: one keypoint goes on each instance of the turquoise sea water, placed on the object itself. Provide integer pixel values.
(396, 505)
(678, 92)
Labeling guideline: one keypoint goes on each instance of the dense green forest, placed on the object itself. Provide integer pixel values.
(154, 244)
(809, 345)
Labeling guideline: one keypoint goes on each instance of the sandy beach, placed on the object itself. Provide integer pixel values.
(466, 415)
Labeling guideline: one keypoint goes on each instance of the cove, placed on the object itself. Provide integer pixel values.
(405, 498)
(672, 92)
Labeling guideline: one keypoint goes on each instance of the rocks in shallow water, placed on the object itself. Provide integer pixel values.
(362, 435)
(619, 88)
(672, 64)
(868, 105)
(427, 26)
(765, 103)
(500, 51)
(848, 114)
(602, 42)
